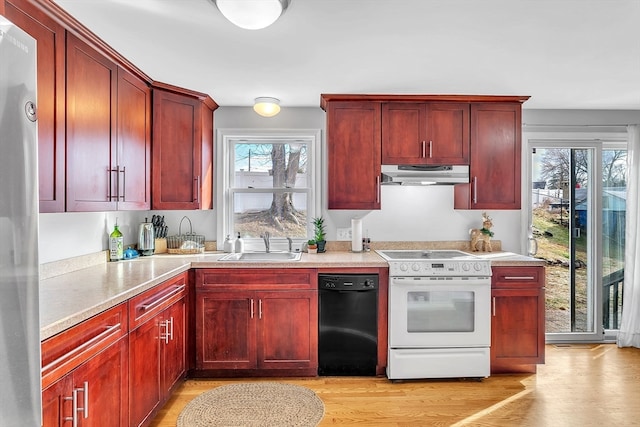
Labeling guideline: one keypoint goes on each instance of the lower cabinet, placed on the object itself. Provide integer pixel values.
(245, 327)
(157, 341)
(518, 319)
(84, 374)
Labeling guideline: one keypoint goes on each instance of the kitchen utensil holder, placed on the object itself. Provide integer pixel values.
(187, 243)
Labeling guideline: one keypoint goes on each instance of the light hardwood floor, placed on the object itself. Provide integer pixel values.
(580, 385)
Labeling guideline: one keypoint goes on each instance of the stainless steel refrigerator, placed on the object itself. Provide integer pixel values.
(20, 377)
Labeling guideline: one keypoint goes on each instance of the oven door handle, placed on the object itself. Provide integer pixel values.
(413, 281)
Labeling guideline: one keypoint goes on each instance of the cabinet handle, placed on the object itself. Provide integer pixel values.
(518, 278)
(378, 189)
(164, 331)
(124, 186)
(424, 149)
(475, 190)
(102, 335)
(260, 309)
(430, 149)
(493, 306)
(171, 328)
(74, 398)
(252, 308)
(165, 297)
(197, 189)
(110, 195)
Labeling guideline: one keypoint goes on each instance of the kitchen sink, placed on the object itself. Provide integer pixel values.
(263, 257)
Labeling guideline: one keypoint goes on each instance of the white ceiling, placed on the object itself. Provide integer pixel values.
(565, 54)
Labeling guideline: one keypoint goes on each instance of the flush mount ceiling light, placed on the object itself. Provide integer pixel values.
(266, 106)
(252, 14)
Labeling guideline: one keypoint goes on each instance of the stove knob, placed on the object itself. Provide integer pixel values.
(415, 267)
(404, 267)
(477, 266)
(466, 266)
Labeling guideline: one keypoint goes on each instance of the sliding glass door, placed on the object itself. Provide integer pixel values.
(576, 215)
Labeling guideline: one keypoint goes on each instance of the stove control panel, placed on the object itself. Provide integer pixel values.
(443, 268)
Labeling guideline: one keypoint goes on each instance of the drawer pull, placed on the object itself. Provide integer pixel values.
(159, 301)
(102, 335)
(519, 278)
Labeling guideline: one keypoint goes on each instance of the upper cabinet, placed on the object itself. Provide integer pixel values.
(495, 167)
(353, 154)
(182, 149)
(425, 133)
(482, 131)
(108, 132)
(50, 36)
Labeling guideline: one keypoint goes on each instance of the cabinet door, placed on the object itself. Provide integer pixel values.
(177, 151)
(226, 330)
(56, 407)
(495, 158)
(103, 384)
(353, 159)
(448, 140)
(91, 91)
(174, 347)
(517, 327)
(134, 143)
(51, 100)
(144, 377)
(288, 329)
(404, 133)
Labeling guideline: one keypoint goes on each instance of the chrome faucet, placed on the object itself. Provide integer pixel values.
(290, 243)
(265, 237)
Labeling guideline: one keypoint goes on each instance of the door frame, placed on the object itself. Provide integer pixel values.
(569, 137)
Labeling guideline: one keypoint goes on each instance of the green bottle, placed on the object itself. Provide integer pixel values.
(116, 244)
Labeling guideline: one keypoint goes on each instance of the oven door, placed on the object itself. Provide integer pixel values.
(438, 312)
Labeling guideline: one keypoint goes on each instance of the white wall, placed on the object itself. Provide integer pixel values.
(409, 213)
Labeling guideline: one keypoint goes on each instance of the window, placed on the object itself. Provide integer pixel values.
(270, 185)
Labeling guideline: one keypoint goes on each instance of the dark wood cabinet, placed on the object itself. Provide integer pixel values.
(245, 325)
(108, 150)
(495, 166)
(425, 133)
(157, 356)
(50, 36)
(353, 155)
(518, 319)
(86, 367)
(182, 149)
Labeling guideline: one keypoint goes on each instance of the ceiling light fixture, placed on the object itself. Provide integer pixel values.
(267, 106)
(252, 14)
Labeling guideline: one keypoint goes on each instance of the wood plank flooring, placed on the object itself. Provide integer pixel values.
(580, 385)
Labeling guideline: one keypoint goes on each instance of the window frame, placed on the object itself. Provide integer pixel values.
(224, 141)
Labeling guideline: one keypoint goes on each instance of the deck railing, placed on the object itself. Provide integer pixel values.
(612, 299)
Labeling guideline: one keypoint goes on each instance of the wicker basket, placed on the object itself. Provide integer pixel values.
(187, 243)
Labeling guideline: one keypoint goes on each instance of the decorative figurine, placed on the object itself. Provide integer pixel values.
(482, 235)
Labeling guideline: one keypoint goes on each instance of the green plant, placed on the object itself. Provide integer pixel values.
(311, 242)
(319, 229)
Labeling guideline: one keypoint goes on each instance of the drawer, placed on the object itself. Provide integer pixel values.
(517, 277)
(67, 350)
(262, 278)
(153, 301)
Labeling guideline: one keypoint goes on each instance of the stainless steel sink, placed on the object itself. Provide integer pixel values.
(263, 257)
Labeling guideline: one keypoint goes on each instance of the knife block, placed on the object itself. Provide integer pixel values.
(160, 246)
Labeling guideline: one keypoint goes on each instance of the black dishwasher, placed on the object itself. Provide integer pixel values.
(348, 323)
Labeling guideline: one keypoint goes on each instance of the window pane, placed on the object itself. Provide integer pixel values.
(614, 197)
(283, 214)
(270, 165)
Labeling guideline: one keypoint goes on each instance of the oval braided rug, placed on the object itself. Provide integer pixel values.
(254, 404)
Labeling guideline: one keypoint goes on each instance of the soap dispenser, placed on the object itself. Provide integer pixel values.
(239, 244)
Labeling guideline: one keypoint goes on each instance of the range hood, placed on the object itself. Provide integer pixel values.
(424, 174)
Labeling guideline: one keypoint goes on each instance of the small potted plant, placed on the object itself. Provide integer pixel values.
(319, 233)
(312, 246)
